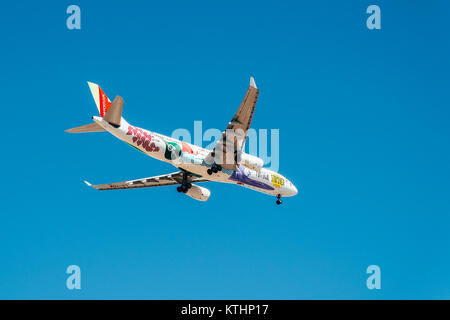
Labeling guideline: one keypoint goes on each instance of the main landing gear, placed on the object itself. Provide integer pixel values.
(279, 199)
(185, 186)
(215, 168)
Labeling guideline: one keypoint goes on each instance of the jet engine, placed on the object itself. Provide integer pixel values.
(250, 161)
(198, 193)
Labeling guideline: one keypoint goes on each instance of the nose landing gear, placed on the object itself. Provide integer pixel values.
(278, 199)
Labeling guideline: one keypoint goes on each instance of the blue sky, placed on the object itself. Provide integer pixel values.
(363, 119)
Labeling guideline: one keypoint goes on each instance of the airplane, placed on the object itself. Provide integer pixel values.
(226, 162)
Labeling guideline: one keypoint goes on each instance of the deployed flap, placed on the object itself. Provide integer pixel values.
(91, 127)
(114, 113)
(157, 181)
(234, 137)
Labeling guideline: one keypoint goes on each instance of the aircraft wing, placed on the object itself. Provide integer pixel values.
(224, 153)
(157, 181)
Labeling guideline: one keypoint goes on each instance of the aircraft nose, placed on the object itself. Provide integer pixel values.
(294, 189)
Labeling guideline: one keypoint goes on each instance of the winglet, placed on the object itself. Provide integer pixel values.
(252, 83)
(90, 185)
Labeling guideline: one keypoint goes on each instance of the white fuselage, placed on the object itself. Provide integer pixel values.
(191, 158)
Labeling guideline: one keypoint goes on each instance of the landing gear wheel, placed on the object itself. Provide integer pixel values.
(278, 199)
(214, 169)
(185, 185)
(209, 171)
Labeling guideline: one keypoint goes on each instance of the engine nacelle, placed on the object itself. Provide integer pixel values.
(198, 193)
(250, 161)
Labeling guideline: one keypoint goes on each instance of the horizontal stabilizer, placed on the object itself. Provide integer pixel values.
(114, 113)
(91, 127)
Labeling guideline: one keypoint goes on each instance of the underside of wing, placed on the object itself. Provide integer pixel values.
(157, 181)
(234, 137)
(242, 120)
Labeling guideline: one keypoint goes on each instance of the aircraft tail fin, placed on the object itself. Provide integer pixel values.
(100, 98)
(109, 111)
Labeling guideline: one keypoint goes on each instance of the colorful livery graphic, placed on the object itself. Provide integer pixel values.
(226, 162)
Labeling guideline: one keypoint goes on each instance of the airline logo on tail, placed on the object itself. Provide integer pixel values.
(101, 100)
(104, 102)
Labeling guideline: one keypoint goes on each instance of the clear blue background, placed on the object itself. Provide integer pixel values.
(363, 118)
